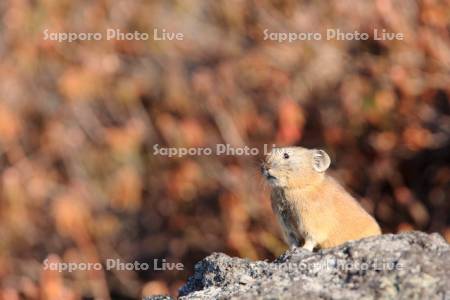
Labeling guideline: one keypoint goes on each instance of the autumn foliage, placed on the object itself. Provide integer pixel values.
(79, 180)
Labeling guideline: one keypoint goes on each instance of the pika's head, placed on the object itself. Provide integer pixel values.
(292, 167)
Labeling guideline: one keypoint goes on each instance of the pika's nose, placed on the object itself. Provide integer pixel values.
(264, 167)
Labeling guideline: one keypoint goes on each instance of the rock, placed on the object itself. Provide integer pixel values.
(158, 297)
(412, 265)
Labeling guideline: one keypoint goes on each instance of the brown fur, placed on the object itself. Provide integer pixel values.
(313, 210)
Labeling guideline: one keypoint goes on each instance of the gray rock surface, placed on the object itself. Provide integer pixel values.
(404, 266)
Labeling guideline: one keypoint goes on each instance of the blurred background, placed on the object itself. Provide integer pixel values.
(79, 181)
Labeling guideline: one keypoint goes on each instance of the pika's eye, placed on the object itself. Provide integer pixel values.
(286, 156)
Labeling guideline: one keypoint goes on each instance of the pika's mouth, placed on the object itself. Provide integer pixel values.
(266, 173)
(269, 176)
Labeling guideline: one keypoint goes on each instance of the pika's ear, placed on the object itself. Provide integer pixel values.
(320, 160)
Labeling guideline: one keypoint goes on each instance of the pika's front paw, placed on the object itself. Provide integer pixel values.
(309, 245)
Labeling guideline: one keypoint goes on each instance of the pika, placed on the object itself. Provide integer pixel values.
(313, 209)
